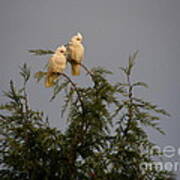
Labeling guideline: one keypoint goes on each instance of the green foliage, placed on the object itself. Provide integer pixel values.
(39, 75)
(104, 139)
(40, 52)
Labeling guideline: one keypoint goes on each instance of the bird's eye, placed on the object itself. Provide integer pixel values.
(78, 39)
(61, 51)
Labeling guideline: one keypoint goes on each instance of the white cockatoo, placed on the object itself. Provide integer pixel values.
(76, 53)
(57, 63)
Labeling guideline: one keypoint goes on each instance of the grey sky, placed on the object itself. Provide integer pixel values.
(112, 29)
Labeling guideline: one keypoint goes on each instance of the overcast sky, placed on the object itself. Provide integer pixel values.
(112, 30)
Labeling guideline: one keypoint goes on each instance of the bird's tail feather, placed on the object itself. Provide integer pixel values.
(76, 69)
(50, 80)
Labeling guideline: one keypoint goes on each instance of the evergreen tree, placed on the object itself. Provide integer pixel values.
(105, 137)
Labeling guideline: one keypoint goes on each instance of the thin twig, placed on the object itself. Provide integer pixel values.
(87, 70)
(130, 115)
(75, 88)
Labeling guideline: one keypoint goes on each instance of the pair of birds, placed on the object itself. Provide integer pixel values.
(72, 52)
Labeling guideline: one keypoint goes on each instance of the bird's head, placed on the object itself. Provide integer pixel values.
(78, 38)
(61, 50)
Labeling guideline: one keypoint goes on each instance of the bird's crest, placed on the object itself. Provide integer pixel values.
(79, 35)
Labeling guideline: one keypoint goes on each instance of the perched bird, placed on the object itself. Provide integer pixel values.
(76, 53)
(57, 63)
